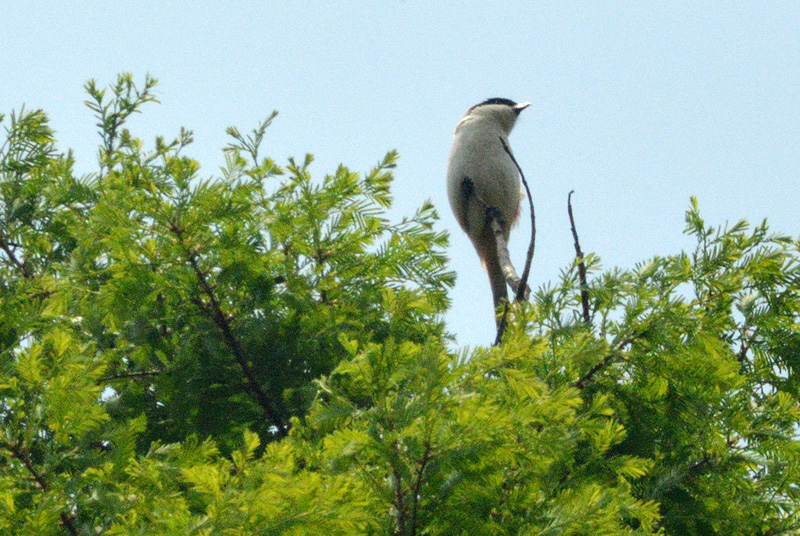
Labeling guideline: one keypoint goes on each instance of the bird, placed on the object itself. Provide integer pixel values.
(483, 181)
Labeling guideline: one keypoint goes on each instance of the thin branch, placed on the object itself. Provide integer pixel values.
(523, 290)
(426, 457)
(124, 375)
(742, 357)
(66, 520)
(586, 378)
(608, 360)
(746, 335)
(518, 284)
(700, 465)
(17, 453)
(587, 318)
(8, 249)
(397, 486)
(213, 310)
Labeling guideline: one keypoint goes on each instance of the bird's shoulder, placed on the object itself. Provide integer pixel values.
(478, 130)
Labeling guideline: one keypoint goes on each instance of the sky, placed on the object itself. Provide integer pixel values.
(635, 105)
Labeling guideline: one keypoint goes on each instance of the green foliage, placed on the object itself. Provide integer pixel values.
(263, 353)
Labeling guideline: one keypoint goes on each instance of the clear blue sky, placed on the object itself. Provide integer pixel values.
(636, 105)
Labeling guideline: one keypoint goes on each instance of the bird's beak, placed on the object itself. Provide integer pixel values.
(521, 106)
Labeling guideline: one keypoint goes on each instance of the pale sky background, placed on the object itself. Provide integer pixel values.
(636, 105)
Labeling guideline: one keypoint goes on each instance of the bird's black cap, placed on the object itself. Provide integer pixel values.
(496, 100)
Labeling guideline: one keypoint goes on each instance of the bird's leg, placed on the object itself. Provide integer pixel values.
(495, 221)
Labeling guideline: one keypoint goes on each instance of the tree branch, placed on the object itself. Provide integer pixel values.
(397, 487)
(518, 284)
(8, 249)
(523, 291)
(587, 318)
(220, 319)
(608, 360)
(38, 477)
(124, 375)
(423, 463)
(586, 378)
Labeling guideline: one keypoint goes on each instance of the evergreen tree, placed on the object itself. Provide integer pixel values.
(264, 353)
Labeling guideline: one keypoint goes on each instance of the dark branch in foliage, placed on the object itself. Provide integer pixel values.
(608, 360)
(38, 477)
(700, 465)
(126, 375)
(9, 249)
(587, 318)
(586, 378)
(423, 464)
(397, 486)
(214, 312)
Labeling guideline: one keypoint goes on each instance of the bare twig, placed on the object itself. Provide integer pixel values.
(213, 310)
(746, 335)
(587, 318)
(742, 357)
(523, 290)
(518, 284)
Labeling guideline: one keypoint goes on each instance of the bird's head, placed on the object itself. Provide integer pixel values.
(503, 111)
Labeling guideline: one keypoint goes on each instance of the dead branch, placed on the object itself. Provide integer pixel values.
(587, 318)
(523, 291)
(518, 284)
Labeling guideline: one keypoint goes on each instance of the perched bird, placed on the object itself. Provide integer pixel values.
(483, 181)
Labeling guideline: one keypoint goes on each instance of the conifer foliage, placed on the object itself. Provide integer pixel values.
(263, 352)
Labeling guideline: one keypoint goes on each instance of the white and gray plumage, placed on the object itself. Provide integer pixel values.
(481, 176)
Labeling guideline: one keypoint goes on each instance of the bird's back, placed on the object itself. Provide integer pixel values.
(478, 154)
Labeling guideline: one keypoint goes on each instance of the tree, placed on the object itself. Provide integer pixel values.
(263, 353)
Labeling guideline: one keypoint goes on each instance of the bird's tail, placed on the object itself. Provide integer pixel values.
(496, 279)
